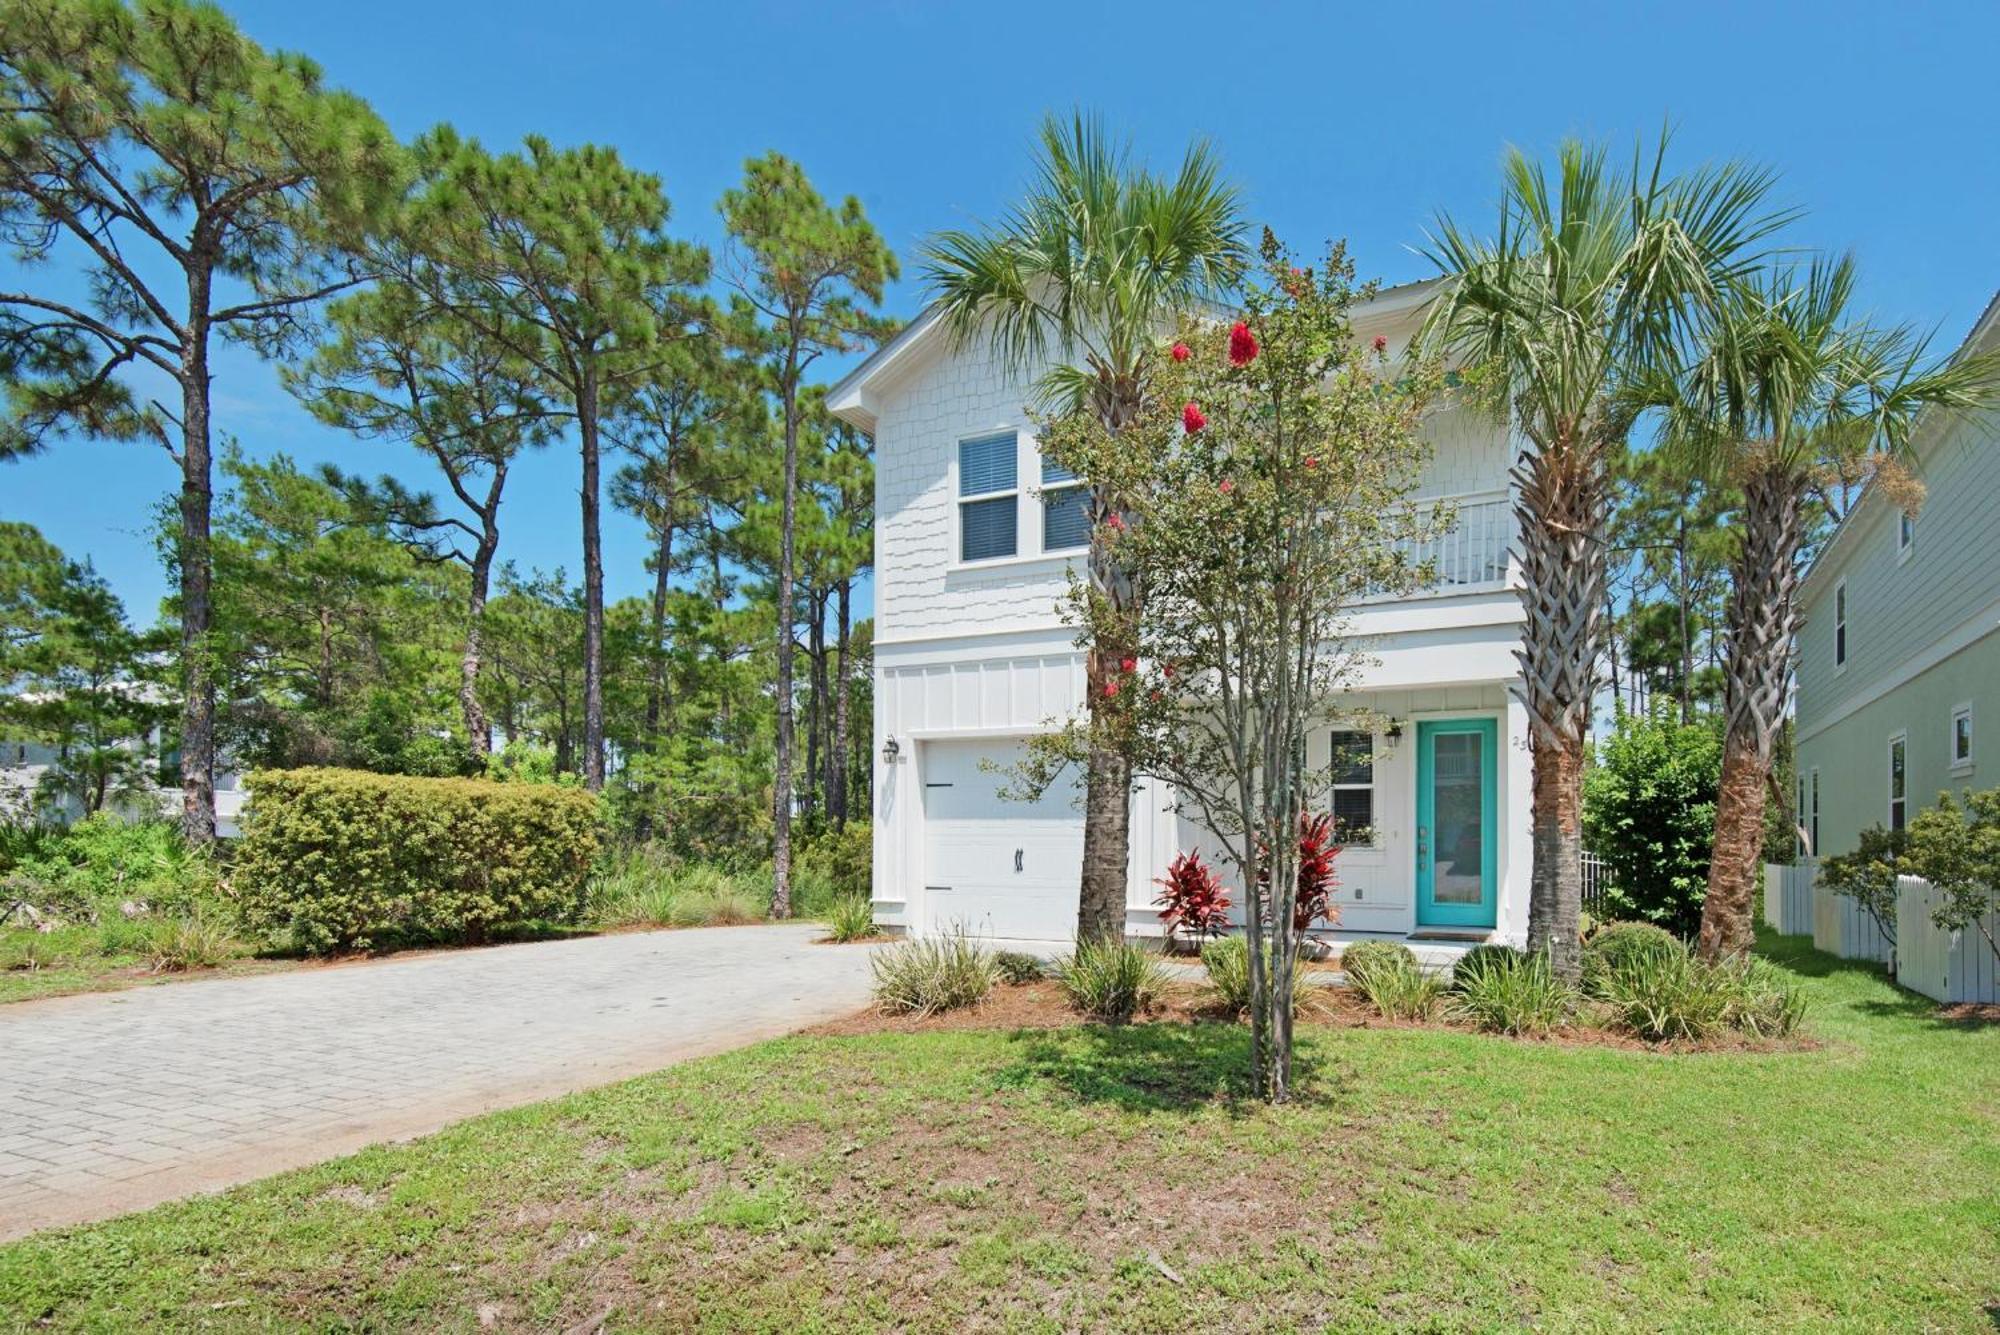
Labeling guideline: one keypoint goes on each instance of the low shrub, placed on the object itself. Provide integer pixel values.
(852, 919)
(1017, 968)
(844, 859)
(717, 902)
(29, 952)
(1227, 961)
(1615, 944)
(339, 858)
(1511, 993)
(197, 942)
(1477, 959)
(932, 974)
(1363, 957)
(1399, 989)
(103, 868)
(1663, 995)
(1111, 980)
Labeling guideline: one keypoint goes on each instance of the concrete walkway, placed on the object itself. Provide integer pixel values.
(116, 1101)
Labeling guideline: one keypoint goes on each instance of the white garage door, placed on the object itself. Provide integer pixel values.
(995, 867)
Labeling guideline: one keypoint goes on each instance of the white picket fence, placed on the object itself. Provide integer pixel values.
(1950, 966)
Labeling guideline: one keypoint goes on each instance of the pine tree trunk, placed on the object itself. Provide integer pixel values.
(478, 730)
(1763, 624)
(816, 714)
(196, 573)
(781, 822)
(836, 787)
(1560, 502)
(656, 683)
(593, 593)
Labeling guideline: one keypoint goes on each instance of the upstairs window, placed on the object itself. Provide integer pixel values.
(1906, 533)
(1065, 510)
(1961, 735)
(1840, 623)
(1354, 789)
(1813, 824)
(1899, 746)
(988, 491)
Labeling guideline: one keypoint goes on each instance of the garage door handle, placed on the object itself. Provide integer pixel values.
(1017, 859)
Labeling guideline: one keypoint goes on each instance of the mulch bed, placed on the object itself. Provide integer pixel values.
(1040, 1005)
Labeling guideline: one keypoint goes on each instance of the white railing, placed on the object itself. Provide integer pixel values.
(1474, 551)
(1596, 885)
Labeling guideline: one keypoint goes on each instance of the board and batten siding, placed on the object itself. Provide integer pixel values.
(1923, 638)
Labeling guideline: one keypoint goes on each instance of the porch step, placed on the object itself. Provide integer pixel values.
(1470, 938)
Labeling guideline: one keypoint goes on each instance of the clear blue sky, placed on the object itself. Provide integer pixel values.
(1355, 121)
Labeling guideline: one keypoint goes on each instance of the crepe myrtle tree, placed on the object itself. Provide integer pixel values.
(1267, 485)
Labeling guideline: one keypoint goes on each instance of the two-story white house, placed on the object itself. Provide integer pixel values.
(974, 534)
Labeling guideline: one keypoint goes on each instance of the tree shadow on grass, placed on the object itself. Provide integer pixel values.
(1165, 1067)
(1798, 955)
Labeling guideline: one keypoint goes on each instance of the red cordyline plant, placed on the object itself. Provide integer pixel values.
(1317, 875)
(1193, 901)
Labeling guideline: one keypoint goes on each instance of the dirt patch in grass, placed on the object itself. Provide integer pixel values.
(1041, 1005)
(1970, 1014)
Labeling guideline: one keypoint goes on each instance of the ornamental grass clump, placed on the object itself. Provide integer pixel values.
(1111, 980)
(1512, 993)
(1397, 987)
(932, 974)
(1673, 995)
(1227, 962)
(1364, 957)
(852, 918)
(1618, 944)
(1018, 969)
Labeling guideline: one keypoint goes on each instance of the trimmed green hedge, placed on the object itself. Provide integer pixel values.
(338, 858)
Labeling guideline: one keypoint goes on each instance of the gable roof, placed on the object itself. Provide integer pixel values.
(853, 397)
(1985, 330)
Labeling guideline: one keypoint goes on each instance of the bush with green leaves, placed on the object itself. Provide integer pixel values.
(1649, 812)
(1667, 994)
(1227, 962)
(843, 858)
(932, 973)
(1611, 945)
(1017, 968)
(1398, 987)
(1867, 874)
(106, 867)
(1478, 958)
(1364, 957)
(1111, 980)
(1955, 845)
(852, 918)
(340, 859)
(1512, 993)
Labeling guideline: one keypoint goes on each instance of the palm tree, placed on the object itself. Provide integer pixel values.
(1586, 288)
(1087, 272)
(1786, 389)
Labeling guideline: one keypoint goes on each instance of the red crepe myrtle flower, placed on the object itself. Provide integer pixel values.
(1381, 343)
(1193, 418)
(1110, 689)
(1312, 461)
(1226, 486)
(1127, 664)
(1114, 522)
(1168, 670)
(1182, 352)
(1242, 345)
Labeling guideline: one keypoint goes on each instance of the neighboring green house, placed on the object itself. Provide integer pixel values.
(1899, 659)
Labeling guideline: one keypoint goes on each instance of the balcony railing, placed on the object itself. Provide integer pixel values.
(1475, 550)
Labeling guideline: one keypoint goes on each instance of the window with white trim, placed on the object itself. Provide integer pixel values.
(1840, 623)
(1961, 735)
(988, 497)
(1906, 533)
(1813, 823)
(1899, 780)
(1065, 509)
(1353, 755)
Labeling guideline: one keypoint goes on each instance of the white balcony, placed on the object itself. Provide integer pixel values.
(1472, 555)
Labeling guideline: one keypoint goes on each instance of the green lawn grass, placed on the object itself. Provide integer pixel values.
(1055, 1180)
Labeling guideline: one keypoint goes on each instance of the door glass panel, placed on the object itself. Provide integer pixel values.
(1457, 809)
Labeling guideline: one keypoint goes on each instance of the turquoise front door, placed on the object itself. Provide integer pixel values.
(1457, 808)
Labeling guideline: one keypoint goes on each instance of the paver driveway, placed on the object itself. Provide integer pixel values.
(117, 1101)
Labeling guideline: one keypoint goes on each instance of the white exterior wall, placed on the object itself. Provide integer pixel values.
(980, 651)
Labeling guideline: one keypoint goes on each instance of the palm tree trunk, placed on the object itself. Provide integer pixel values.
(1560, 505)
(1107, 792)
(1763, 621)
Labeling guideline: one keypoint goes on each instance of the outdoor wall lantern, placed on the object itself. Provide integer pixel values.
(890, 750)
(1394, 732)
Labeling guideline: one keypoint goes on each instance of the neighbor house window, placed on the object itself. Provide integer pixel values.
(1065, 509)
(1812, 823)
(1961, 735)
(988, 484)
(1840, 623)
(1899, 779)
(1353, 788)
(1906, 533)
